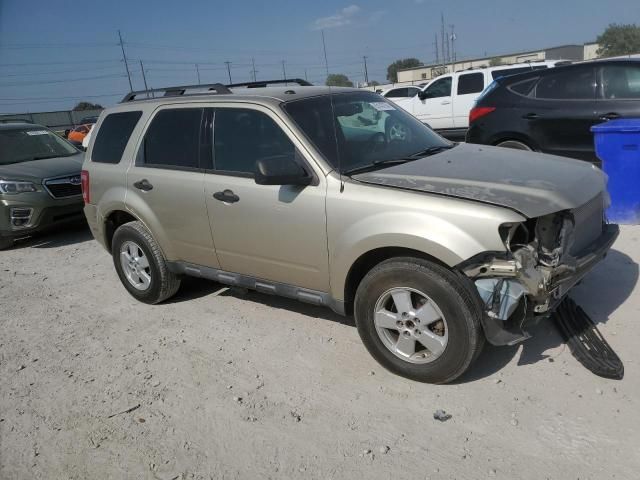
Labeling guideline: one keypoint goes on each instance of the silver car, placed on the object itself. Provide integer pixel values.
(338, 197)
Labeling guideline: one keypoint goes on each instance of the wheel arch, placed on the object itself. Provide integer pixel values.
(112, 221)
(520, 137)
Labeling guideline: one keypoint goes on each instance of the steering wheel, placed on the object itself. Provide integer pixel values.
(377, 142)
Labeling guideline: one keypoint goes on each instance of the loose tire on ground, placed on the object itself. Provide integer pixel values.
(453, 300)
(163, 284)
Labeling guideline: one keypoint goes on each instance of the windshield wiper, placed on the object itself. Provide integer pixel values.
(44, 157)
(376, 164)
(430, 151)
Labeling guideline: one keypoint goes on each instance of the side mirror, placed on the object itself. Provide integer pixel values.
(281, 170)
(422, 95)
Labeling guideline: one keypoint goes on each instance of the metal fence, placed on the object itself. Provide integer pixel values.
(54, 120)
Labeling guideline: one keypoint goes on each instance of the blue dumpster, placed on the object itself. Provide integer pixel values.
(618, 147)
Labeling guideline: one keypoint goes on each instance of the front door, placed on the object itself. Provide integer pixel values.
(436, 110)
(272, 232)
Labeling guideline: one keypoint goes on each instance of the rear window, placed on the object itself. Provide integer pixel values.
(514, 71)
(113, 136)
(470, 83)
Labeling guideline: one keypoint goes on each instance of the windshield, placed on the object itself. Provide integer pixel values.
(368, 129)
(34, 143)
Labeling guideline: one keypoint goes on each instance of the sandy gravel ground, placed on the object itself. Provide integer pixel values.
(223, 385)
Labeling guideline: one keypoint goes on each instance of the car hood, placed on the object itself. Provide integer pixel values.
(37, 170)
(532, 184)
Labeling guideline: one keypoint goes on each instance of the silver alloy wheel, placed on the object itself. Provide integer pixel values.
(135, 265)
(411, 325)
(398, 131)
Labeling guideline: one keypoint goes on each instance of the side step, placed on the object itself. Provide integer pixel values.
(586, 342)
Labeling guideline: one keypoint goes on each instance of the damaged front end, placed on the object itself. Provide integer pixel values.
(543, 259)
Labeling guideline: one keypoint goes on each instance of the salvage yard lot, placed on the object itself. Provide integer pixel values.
(225, 385)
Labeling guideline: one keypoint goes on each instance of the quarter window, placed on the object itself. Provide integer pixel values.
(113, 136)
(172, 139)
(439, 88)
(243, 136)
(621, 81)
(470, 83)
(572, 84)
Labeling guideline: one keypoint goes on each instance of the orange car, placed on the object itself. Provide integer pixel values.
(77, 134)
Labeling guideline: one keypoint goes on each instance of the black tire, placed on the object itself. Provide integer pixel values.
(164, 284)
(514, 144)
(5, 243)
(454, 298)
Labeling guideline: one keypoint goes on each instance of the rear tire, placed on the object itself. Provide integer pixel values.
(141, 265)
(440, 316)
(515, 144)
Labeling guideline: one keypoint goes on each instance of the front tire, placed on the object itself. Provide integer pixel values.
(141, 265)
(419, 320)
(515, 144)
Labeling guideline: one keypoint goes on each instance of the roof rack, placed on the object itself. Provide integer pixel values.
(264, 83)
(210, 88)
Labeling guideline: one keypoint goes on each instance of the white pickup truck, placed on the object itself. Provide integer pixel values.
(445, 102)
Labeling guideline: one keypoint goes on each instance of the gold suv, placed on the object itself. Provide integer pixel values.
(338, 197)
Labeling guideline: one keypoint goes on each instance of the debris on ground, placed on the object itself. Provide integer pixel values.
(441, 415)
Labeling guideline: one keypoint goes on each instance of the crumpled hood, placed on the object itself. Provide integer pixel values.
(531, 183)
(37, 170)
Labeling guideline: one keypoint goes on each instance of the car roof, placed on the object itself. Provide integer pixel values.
(508, 79)
(265, 95)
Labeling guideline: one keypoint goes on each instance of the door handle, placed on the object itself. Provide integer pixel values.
(227, 196)
(531, 116)
(445, 102)
(610, 116)
(143, 185)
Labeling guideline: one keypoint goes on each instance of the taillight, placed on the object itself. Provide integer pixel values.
(479, 112)
(84, 183)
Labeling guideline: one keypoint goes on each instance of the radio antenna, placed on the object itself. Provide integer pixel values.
(333, 115)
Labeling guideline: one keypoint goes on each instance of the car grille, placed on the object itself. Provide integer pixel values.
(589, 222)
(64, 187)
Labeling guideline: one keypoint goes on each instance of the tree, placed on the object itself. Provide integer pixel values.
(374, 83)
(87, 106)
(619, 40)
(392, 70)
(495, 62)
(338, 80)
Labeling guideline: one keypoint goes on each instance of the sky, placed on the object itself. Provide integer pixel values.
(54, 53)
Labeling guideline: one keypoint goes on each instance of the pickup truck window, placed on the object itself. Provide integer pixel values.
(439, 88)
(470, 83)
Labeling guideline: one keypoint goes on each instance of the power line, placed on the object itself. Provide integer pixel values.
(66, 80)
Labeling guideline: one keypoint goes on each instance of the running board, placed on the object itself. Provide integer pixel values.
(585, 341)
(263, 286)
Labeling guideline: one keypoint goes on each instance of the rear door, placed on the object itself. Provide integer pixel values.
(562, 110)
(165, 185)
(619, 91)
(271, 232)
(468, 89)
(436, 109)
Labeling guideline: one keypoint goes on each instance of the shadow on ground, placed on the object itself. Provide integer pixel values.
(69, 234)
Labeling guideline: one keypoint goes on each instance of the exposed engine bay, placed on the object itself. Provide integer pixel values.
(544, 258)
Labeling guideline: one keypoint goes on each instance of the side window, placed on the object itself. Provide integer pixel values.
(397, 92)
(572, 84)
(524, 87)
(439, 88)
(172, 139)
(470, 83)
(243, 136)
(621, 81)
(113, 136)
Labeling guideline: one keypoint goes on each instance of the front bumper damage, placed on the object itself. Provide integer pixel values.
(532, 277)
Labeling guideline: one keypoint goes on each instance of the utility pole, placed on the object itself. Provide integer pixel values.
(284, 71)
(126, 64)
(198, 73)
(253, 63)
(228, 64)
(324, 47)
(453, 44)
(305, 75)
(366, 73)
(144, 78)
(437, 51)
(444, 60)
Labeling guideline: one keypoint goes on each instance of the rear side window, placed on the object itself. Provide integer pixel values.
(523, 88)
(572, 84)
(172, 139)
(113, 136)
(470, 83)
